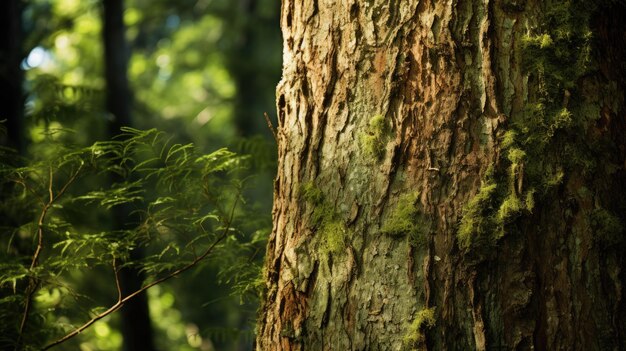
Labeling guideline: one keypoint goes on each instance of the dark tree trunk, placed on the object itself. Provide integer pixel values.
(11, 74)
(12, 215)
(116, 54)
(251, 68)
(242, 67)
(136, 326)
(451, 177)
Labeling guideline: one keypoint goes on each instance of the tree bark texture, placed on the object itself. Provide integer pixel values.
(450, 177)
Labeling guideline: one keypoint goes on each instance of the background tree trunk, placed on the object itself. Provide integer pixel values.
(450, 177)
(136, 325)
(11, 74)
(248, 67)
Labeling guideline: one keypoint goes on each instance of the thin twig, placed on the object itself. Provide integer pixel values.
(121, 302)
(50, 177)
(41, 220)
(69, 182)
(29, 297)
(117, 280)
(34, 282)
(46, 208)
(270, 126)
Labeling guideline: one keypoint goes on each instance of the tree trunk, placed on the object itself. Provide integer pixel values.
(251, 68)
(450, 177)
(11, 75)
(136, 325)
(116, 54)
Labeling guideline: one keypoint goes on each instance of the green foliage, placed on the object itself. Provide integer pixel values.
(375, 137)
(189, 66)
(262, 153)
(60, 101)
(240, 263)
(424, 319)
(180, 205)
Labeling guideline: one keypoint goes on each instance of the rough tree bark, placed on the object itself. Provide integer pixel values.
(450, 177)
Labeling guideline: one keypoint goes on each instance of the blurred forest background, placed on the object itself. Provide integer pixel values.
(72, 73)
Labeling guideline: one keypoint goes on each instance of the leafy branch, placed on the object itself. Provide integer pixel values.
(34, 282)
(120, 302)
(179, 197)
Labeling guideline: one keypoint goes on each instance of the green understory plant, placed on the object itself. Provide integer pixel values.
(183, 208)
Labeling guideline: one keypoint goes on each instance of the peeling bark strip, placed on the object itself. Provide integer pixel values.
(448, 180)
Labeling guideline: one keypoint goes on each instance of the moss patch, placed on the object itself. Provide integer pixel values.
(529, 202)
(375, 138)
(402, 218)
(560, 49)
(549, 139)
(334, 233)
(324, 219)
(477, 220)
(510, 208)
(405, 220)
(555, 57)
(313, 196)
(487, 214)
(424, 320)
(311, 193)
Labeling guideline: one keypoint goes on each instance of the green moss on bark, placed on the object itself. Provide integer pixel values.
(374, 139)
(424, 320)
(549, 139)
(477, 220)
(405, 219)
(324, 219)
(334, 233)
